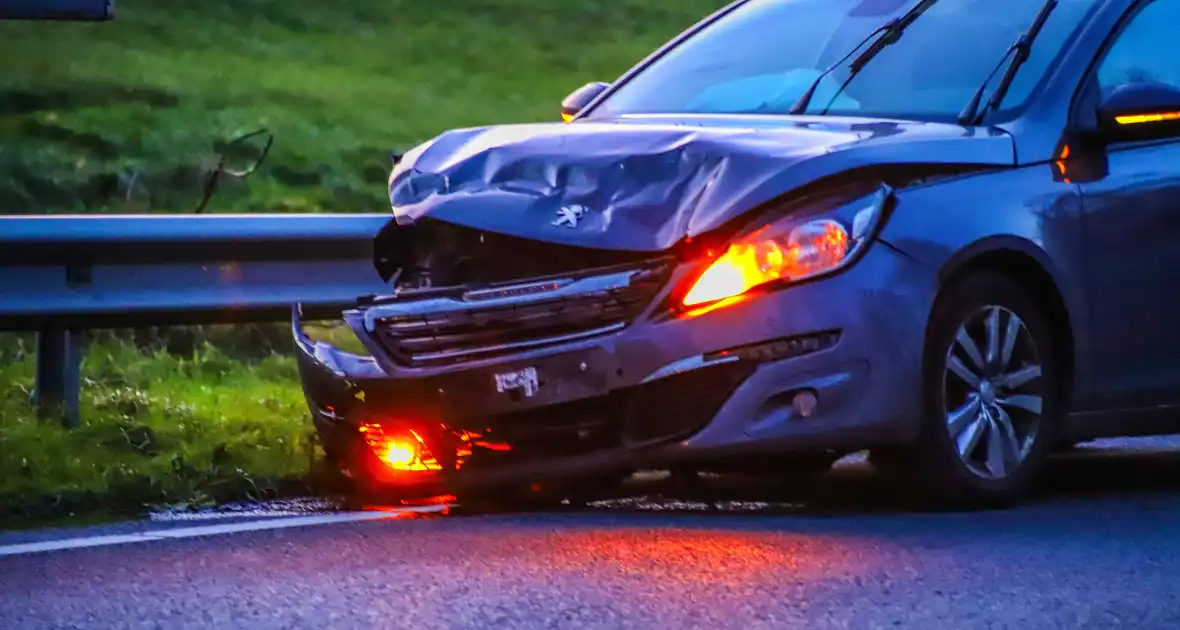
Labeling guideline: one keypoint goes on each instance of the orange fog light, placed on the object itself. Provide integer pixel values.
(400, 454)
(402, 451)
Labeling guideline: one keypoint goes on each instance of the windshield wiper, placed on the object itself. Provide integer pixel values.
(889, 33)
(1019, 51)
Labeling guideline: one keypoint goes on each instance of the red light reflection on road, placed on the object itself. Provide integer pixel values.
(707, 558)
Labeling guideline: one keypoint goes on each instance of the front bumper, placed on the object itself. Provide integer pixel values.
(712, 386)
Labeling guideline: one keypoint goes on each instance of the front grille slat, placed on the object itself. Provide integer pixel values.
(488, 351)
(479, 339)
(520, 320)
(472, 330)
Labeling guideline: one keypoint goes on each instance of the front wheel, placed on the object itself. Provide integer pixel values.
(990, 391)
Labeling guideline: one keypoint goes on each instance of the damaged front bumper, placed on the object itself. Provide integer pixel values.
(589, 373)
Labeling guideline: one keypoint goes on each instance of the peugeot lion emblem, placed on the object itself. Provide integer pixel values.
(569, 215)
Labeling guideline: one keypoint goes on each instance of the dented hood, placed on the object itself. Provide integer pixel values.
(644, 183)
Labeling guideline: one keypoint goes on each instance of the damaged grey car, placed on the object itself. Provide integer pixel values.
(799, 230)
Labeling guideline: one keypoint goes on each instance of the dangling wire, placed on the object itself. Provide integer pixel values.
(215, 175)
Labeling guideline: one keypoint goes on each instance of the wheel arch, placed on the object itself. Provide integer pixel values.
(1025, 263)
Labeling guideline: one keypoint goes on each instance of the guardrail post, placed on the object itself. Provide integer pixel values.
(59, 376)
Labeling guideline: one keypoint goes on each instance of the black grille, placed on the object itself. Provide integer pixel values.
(680, 405)
(475, 332)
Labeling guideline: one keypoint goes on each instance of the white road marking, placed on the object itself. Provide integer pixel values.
(208, 530)
(172, 517)
(267, 509)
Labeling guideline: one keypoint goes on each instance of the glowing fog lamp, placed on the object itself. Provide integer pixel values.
(400, 451)
(790, 250)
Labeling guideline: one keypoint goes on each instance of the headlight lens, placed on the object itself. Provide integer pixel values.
(791, 249)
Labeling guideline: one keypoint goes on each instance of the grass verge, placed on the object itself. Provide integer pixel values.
(123, 116)
(187, 424)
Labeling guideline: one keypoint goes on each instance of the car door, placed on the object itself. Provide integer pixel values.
(1132, 226)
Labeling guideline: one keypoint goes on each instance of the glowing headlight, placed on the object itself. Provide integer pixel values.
(791, 249)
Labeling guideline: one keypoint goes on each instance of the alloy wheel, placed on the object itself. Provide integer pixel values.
(993, 392)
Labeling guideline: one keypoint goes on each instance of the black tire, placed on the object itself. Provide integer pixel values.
(934, 465)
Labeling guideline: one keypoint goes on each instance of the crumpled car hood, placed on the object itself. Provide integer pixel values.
(645, 183)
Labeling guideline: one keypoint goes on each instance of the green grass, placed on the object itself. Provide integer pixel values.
(123, 116)
(190, 425)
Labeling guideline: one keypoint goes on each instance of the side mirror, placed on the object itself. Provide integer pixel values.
(1140, 111)
(580, 98)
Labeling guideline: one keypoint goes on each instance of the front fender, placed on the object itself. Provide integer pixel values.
(950, 223)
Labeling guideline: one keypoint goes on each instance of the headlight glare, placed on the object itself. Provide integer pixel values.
(790, 250)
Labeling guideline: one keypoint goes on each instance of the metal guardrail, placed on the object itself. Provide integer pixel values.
(60, 275)
(54, 10)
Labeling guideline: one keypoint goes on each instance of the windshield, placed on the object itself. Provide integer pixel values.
(761, 57)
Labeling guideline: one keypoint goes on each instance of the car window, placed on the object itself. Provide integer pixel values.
(1146, 50)
(762, 56)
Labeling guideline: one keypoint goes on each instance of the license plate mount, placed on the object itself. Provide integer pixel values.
(518, 383)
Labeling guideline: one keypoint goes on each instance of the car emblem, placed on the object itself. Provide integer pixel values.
(569, 216)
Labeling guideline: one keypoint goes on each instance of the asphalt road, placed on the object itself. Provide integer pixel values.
(1100, 548)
